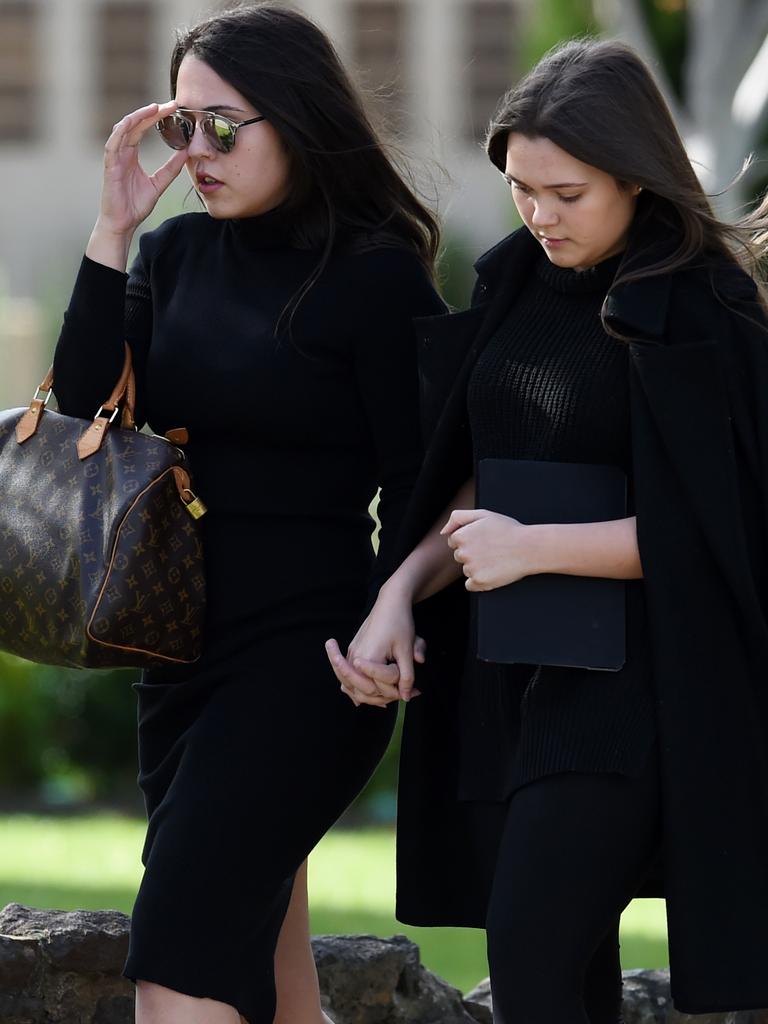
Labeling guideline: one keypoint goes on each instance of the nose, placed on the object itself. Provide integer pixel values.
(199, 146)
(544, 213)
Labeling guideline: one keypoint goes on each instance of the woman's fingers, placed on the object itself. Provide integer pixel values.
(171, 169)
(419, 650)
(404, 658)
(375, 701)
(130, 129)
(384, 683)
(382, 673)
(140, 121)
(349, 677)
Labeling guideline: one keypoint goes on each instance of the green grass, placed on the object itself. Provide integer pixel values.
(93, 862)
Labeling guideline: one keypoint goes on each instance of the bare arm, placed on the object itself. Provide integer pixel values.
(495, 550)
(607, 549)
(379, 666)
(431, 565)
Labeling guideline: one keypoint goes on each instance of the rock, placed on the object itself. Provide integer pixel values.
(59, 967)
(479, 1002)
(646, 997)
(86, 942)
(367, 980)
(646, 1001)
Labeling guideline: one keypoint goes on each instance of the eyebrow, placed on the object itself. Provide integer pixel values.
(562, 184)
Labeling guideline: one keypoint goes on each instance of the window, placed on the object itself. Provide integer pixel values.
(124, 72)
(20, 71)
(491, 60)
(377, 38)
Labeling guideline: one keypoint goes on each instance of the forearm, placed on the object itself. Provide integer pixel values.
(608, 550)
(431, 567)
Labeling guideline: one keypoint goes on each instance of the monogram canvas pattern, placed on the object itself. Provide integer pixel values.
(100, 563)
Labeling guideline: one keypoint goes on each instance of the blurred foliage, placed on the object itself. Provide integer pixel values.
(553, 22)
(66, 736)
(667, 22)
(557, 20)
(456, 274)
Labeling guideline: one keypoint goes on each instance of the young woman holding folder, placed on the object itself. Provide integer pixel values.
(619, 326)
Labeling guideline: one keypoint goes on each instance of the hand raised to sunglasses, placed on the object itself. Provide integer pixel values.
(129, 193)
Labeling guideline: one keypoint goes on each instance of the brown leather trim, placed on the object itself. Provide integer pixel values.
(183, 483)
(92, 438)
(28, 423)
(121, 647)
(48, 382)
(178, 435)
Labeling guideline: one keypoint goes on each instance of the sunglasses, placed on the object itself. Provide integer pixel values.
(177, 129)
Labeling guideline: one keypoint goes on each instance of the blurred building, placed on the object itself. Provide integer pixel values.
(70, 68)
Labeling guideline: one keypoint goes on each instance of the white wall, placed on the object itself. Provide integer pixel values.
(49, 190)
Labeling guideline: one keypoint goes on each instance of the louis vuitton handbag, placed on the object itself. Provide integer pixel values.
(101, 562)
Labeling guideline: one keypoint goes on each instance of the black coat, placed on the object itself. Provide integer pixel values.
(699, 413)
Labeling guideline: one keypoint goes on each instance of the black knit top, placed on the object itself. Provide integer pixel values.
(551, 384)
(290, 434)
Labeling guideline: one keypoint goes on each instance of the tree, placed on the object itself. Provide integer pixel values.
(720, 98)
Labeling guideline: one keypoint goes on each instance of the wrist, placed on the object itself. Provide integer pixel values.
(398, 589)
(109, 246)
(542, 548)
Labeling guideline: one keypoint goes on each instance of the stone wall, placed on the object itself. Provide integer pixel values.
(64, 968)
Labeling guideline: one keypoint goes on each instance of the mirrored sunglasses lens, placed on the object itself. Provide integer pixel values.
(176, 131)
(220, 132)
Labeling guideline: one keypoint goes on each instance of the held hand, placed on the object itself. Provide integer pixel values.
(491, 548)
(129, 194)
(379, 664)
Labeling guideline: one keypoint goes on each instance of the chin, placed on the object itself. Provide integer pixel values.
(562, 259)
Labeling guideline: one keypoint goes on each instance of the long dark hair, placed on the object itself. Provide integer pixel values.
(598, 101)
(343, 180)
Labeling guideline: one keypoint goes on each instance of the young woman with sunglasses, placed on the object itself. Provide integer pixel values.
(275, 326)
(619, 326)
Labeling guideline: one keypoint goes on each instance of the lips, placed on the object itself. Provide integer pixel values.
(552, 243)
(207, 185)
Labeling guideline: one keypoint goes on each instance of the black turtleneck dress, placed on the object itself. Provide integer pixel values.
(552, 385)
(248, 756)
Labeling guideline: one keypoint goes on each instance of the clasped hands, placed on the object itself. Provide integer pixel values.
(379, 665)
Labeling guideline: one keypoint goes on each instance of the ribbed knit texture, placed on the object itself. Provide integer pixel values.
(551, 384)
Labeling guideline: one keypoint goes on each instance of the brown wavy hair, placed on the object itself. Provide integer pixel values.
(345, 182)
(598, 101)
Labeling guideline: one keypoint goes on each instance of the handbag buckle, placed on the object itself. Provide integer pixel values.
(111, 418)
(48, 393)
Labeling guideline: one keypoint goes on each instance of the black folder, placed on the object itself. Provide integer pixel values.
(553, 619)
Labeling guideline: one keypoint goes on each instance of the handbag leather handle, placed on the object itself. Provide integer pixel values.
(92, 438)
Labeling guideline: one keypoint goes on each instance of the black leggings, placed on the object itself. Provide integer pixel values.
(575, 850)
